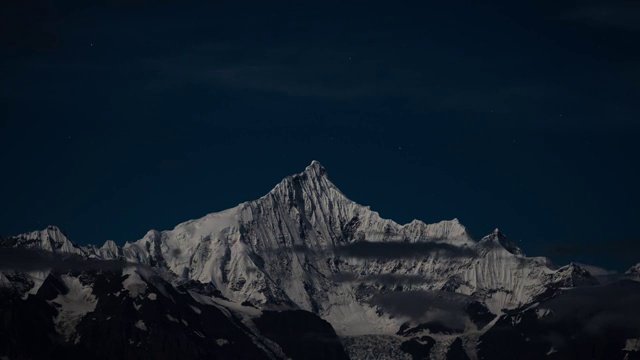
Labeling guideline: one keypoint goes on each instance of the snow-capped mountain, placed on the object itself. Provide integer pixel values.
(306, 247)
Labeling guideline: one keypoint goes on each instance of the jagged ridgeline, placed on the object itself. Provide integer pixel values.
(302, 273)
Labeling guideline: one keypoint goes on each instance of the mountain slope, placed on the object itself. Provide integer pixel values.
(306, 246)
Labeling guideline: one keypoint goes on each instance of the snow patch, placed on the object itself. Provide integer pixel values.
(516, 320)
(195, 309)
(171, 318)
(632, 345)
(152, 296)
(73, 306)
(140, 325)
(4, 282)
(543, 312)
(133, 283)
(222, 342)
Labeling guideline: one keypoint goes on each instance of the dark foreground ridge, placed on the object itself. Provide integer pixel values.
(301, 334)
(161, 323)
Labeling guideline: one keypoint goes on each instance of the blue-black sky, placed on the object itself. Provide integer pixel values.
(122, 116)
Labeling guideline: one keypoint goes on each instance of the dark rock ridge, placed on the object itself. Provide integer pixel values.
(162, 322)
(301, 334)
(456, 351)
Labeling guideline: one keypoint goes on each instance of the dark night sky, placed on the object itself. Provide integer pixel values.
(123, 116)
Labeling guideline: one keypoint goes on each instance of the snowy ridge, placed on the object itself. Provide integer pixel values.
(50, 239)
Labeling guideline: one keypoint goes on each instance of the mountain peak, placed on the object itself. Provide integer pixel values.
(573, 275)
(315, 169)
(53, 228)
(314, 177)
(497, 237)
(49, 239)
(315, 163)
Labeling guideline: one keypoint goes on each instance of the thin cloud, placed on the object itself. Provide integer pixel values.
(599, 308)
(388, 250)
(401, 250)
(26, 260)
(339, 74)
(385, 279)
(422, 306)
(626, 249)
